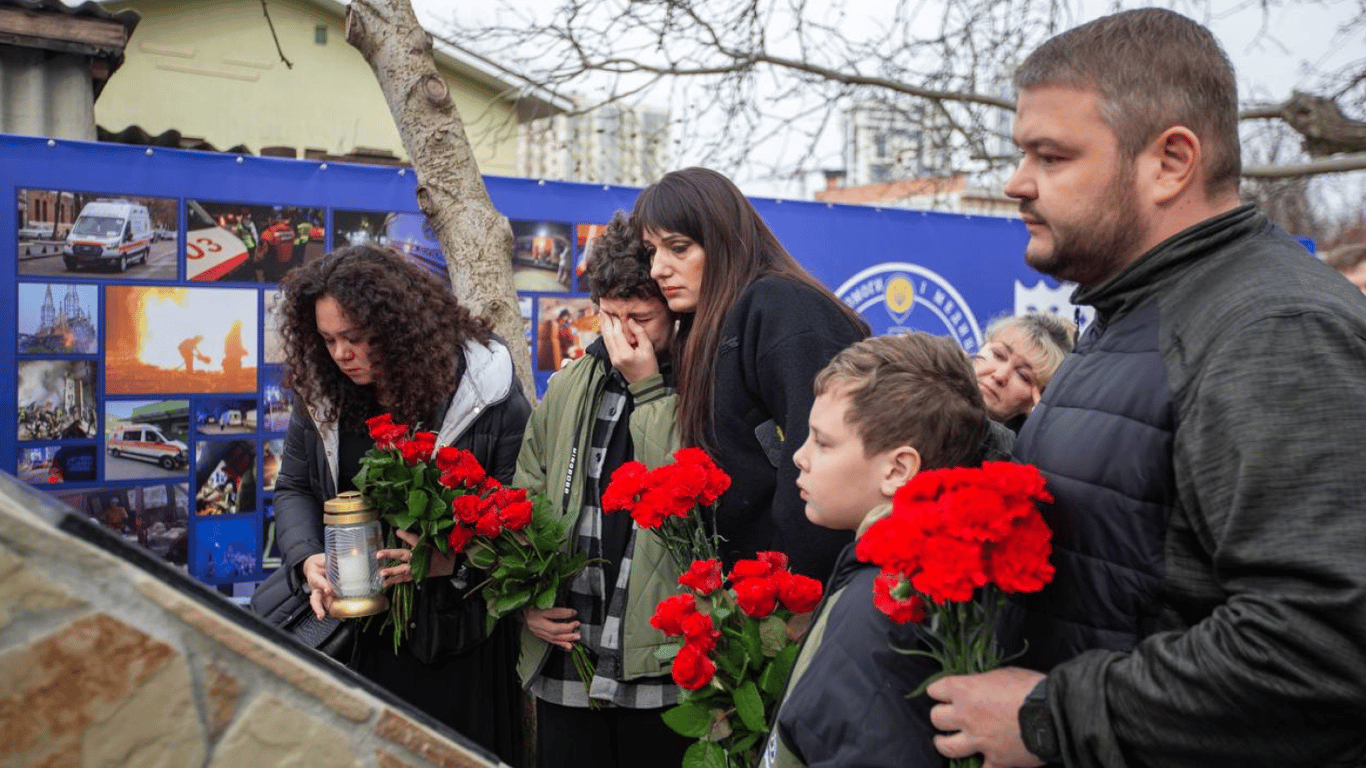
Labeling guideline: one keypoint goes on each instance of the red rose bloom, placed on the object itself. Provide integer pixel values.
(468, 508)
(516, 515)
(378, 424)
(460, 538)
(776, 560)
(700, 632)
(388, 437)
(799, 593)
(692, 669)
(751, 569)
(459, 468)
(756, 597)
(893, 596)
(671, 612)
(488, 484)
(489, 525)
(704, 576)
(419, 448)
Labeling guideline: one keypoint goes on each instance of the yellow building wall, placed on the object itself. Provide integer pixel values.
(209, 69)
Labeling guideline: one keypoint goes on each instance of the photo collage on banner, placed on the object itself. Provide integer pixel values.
(149, 365)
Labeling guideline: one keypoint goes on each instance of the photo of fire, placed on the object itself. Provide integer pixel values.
(162, 339)
(56, 399)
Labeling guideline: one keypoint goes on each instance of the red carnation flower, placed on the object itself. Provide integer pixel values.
(756, 597)
(950, 570)
(704, 576)
(460, 538)
(692, 669)
(671, 612)
(893, 595)
(799, 593)
(626, 484)
(1019, 562)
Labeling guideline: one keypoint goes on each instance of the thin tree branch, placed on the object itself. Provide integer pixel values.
(266, 12)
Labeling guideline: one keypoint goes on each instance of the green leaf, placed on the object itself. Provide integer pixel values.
(775, 674)
(705, 754)
(481, 557)
(546, 599)
(754, 647)
(507, 603)
(688, 720)
(773, 635)
(750, 707)
(404, 521)
(438, 509)
(667, 653)
(417, 503)
(421, 562)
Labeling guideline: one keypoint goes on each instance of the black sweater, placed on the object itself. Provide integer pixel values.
(778, 336)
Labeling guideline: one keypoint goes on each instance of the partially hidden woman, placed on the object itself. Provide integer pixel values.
(366, 333)
(1019, 358)
(755, 328)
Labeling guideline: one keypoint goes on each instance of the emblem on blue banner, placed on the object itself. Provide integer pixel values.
(896, 297)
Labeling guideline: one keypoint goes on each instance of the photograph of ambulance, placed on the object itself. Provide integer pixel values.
(146, 439)
(62, 231)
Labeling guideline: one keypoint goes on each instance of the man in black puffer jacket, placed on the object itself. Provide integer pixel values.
(1206, 442)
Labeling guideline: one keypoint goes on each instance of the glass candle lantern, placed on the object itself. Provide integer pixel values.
(351, 538)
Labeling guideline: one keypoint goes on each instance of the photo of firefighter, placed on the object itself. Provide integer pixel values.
(249, 242)
(165, 340)
(226, 551)
(225, 477)
(58, 317)
(541, 256)
(406, 233)
(56, 399)
(567, 327)
(53, 464)
(62, 232)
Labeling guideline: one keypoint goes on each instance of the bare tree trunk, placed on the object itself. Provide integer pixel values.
(475, 237)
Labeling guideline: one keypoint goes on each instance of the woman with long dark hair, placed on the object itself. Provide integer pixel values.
(755, 328)
(366, 332)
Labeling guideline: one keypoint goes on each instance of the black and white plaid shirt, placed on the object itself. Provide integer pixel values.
(600, 611)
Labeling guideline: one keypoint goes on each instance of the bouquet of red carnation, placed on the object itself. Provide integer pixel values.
(662, 500)
(735, 654)
(414, 484)
(955, 542)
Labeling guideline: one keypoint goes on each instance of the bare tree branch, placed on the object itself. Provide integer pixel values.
(266, 12)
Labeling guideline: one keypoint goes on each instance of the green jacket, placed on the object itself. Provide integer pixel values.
(559, 431)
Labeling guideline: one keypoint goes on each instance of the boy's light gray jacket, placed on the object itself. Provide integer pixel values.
(559, 432)
(1206, 443)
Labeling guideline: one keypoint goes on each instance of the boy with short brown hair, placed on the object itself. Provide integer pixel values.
(886, 408)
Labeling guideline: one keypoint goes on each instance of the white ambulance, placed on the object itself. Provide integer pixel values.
(109, 233)
(144, 441)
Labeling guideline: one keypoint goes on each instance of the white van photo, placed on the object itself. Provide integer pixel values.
(109, 233)
(145, 442)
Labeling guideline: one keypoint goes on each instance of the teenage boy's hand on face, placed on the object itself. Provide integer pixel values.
(981, 714)
(629, 349)
(554, 625)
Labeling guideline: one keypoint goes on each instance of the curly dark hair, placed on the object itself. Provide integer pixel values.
(619, 267)
(410, 319)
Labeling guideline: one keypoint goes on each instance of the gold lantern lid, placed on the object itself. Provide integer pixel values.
(348, 508)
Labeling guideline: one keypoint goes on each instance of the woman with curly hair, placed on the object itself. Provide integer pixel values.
(366, 333)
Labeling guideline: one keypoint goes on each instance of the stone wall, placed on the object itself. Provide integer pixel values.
(109, 658)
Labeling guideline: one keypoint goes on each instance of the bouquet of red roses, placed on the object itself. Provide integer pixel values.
(414, 485)
(662, 500)
(735, 654)
(955, 542)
